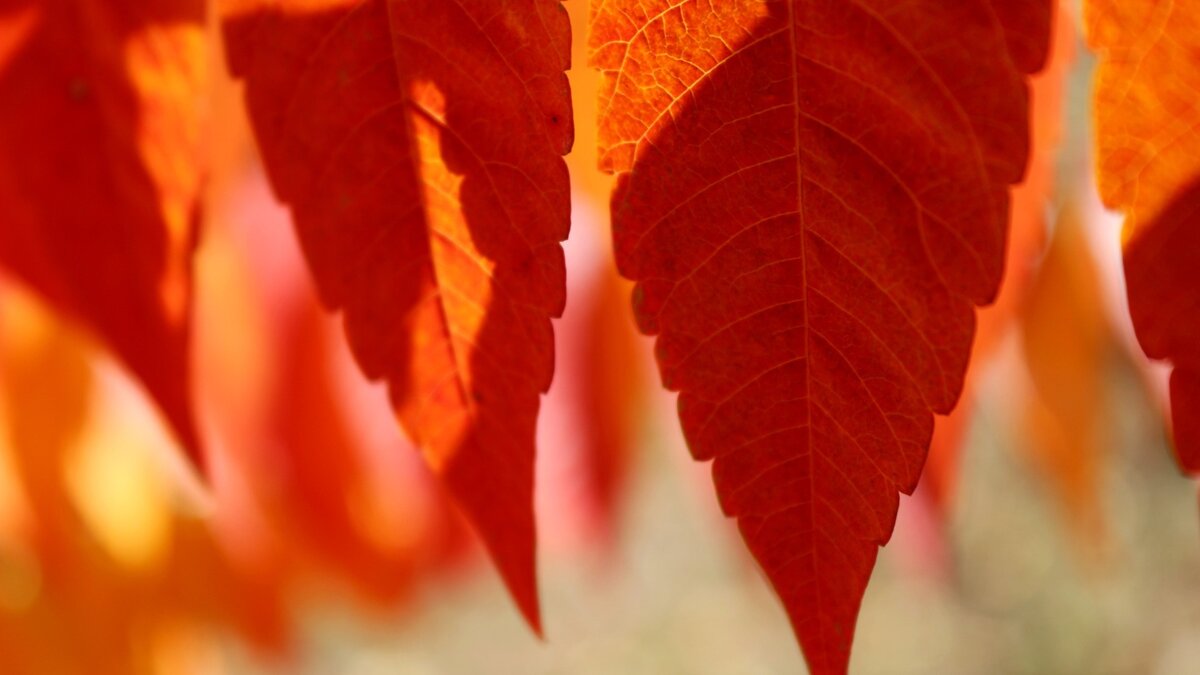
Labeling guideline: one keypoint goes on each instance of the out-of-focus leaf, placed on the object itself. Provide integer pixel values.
(319, 490)
(611, 391)
(418, 144)
(100, 174)
(112, 566)
(1067, 342)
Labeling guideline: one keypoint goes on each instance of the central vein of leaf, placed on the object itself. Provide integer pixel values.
(791, 17)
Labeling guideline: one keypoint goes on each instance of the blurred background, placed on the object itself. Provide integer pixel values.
(1051, 532)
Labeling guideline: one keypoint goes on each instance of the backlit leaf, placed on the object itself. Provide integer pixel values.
(418, 144)
(1148, 140)
(813, 197)
(100, 174)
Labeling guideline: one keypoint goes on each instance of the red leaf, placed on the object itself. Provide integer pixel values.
(1148, 165)
(99, 177)
(418, 145)
(812, 197)
(612, 404)
(1164, 298)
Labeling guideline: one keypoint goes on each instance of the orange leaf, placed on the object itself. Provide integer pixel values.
(1066, 339)
(1148, 143)
(99, 177)
(419, 144)
(813, 196)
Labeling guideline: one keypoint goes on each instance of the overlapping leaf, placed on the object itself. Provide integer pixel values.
(813, 197)
(418, 145)
(1148, 142)
(100, 173)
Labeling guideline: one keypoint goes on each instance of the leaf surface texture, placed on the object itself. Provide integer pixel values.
(813, 197)
(418, 144)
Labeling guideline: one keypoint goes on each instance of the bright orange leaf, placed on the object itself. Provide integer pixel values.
(100, 174)
(813, 196)
(419, 144)
(1148, 166)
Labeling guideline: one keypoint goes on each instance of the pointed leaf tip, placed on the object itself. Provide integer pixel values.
(419, 146)
(813, 197)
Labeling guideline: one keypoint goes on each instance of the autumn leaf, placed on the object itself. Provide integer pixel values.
(333, 493)
(419, 147)
(47, 365)
(1148, 166)
(1066, 341)
(100, 174)
(813, 197)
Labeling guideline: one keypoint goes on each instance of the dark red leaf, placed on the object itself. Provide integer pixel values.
(813, 197)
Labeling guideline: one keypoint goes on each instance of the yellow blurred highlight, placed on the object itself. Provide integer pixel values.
(120, 493)
(107, 470)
